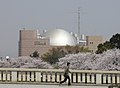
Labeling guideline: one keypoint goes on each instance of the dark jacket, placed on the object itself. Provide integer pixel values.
(67, 71)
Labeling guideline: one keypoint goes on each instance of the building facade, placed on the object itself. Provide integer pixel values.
(93, 41)
(31, 41)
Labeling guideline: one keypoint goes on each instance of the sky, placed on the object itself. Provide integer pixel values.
(97, 17)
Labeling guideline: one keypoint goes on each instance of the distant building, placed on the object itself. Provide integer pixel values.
(93, 41)
(32, 40)
(29, 42)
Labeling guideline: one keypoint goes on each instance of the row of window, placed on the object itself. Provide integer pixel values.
(39, 43)
(91, 42)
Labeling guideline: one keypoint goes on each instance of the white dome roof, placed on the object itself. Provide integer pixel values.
(60, 37)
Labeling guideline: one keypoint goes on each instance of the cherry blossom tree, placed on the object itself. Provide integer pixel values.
(109, 60)
(24, 62)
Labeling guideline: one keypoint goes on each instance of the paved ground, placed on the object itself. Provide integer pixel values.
(44, 86)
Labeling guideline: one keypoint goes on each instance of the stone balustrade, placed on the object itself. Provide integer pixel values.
(53, 76)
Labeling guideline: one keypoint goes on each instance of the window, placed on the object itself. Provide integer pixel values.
(91, 50)
(91, 42)
(39, 43)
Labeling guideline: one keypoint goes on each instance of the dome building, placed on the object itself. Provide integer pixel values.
(31, 40)
(60, 37)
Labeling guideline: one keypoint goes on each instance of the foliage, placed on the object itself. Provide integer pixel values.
(35, 54)
(75, 49)
(52, 55)
(109, 60)
(114, 42)
(104, 47)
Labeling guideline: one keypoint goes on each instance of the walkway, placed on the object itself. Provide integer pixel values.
(44, 86)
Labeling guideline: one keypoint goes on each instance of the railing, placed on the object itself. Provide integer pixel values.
(54, 76)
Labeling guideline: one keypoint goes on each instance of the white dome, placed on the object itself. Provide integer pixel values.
(60, 37)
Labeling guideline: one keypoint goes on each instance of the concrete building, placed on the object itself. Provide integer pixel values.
(93, 41)
(31, 41)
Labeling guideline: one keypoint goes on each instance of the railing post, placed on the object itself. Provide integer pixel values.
(38, 76)
(14, 77)
(41, 77)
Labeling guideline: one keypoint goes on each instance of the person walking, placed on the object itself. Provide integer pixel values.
(66, 75)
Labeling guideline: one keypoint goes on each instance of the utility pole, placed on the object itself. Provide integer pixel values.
(78, 24)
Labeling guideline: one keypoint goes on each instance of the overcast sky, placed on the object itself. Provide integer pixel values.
(98, 17)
